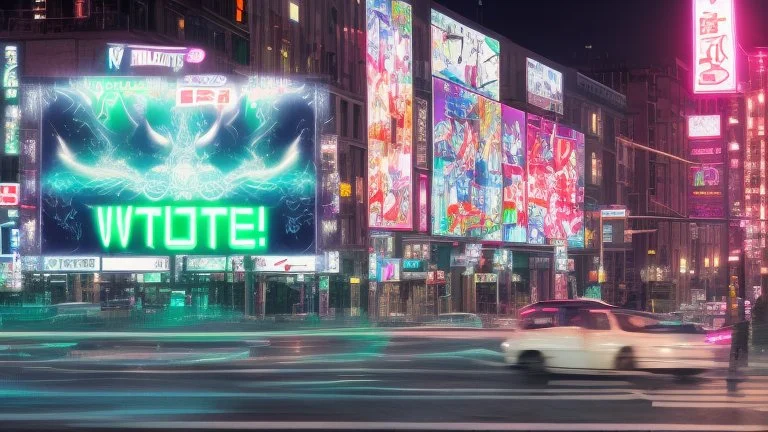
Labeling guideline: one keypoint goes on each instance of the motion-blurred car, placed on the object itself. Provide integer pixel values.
(608, 338)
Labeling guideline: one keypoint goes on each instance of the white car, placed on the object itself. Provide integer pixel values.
(562, 339)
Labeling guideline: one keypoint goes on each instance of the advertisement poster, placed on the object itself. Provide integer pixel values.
(545, 86)
(706, 180)
(152, 165)
(514, 170)
(390, 113)
(555, 183)
(714, 47)
(467, 180)
(465, 56)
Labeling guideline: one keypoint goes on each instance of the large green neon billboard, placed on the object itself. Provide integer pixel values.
(198, 165)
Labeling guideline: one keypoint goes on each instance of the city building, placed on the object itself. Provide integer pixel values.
(659, 101)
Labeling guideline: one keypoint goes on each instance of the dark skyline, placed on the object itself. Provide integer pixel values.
(635, 32)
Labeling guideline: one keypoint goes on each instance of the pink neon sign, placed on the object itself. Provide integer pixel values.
(714, 45)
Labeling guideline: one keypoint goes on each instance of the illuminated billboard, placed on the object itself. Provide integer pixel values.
(149, 165)
(544, 86)
(714, 47)
(704, 126)
(555, 183)
(706, 179)
(466, 177)
(465, 56)
(514, 170)
(390, 114)
(122, 58)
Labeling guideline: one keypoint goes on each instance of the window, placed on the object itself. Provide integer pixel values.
(537, 319)
(343, 114)
(357, 114)
(240, 13)
(240, 51)
(293, 11)
(594, 124)
(597, 170)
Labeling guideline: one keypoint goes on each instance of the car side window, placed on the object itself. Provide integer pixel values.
(595, 320)
(539, 319)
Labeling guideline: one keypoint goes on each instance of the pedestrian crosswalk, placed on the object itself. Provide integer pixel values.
(751, 393)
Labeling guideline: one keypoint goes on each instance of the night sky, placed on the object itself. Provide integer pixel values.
(635, 32)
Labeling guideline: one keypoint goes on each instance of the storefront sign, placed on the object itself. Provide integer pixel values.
(436, 277)
(613, 213)
(354, 280)
(330, 262)
(182, 228)
(9, 194)
(205, 263)
(414, 276)
(284, 264)
(372, 266)
(136, 264)
(345, 189)
(71, 264)
(486, 278)
(11, 73)
(413, 265)
(121, 57)
(389, 270)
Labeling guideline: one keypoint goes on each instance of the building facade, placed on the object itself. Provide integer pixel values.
(659, 102)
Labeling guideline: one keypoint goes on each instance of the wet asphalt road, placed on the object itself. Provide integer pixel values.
(384, 381)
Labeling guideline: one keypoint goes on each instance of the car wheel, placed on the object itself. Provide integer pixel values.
(532, 362)
(625, 360)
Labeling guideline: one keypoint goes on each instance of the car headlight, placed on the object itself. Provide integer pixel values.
(504, 345)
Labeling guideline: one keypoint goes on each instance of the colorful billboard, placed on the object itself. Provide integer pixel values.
(544, 85)
(714, 47)
(466, 176)
(706, 179)
(555, 183)
(149, 165)
(390, 114)
(465, 56)
(515, 174)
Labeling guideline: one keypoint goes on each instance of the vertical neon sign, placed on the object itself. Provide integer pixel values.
(390, 113)
(714, 45)
(11, 93)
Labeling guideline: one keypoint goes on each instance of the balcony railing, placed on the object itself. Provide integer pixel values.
(20, 22)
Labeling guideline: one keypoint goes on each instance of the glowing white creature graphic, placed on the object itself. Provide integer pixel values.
(186, 173)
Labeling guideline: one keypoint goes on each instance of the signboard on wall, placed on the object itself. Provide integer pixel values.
(465, 56)
(544, 86)
(9, 194)
(706, 177)
(84, 264)
(285, 264)
(515, 173)
(125, 58)
(555, 184)
(704, 126)
(714, 46)
(389, 75)
(466, 177)
(136, 264)
(126, 169)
